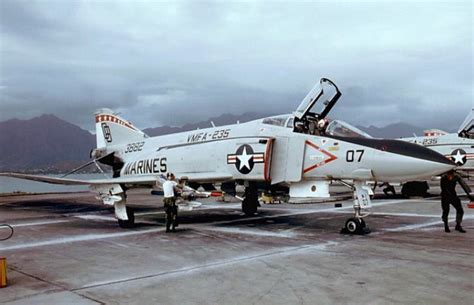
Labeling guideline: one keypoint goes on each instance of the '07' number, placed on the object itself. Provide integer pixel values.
(351, 154)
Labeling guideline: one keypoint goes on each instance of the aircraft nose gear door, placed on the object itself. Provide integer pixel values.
(356, 224)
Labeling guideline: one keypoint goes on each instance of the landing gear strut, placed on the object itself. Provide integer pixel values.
(125, 215)
(356, 224)
(250, 203)
(130, 222)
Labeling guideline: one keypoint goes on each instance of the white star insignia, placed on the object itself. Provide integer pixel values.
(244, 159)
(458, 158)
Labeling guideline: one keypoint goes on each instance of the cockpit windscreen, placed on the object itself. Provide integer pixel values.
(342, 129)
(279, 120)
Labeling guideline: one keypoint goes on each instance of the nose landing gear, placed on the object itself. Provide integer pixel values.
(356, 224)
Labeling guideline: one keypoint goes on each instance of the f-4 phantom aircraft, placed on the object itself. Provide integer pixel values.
(301, 152)
(458, 147)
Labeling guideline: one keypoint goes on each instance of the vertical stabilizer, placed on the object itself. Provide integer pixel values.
(467, 127)
(112, 129)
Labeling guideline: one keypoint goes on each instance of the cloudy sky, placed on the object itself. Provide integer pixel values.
(174, 62)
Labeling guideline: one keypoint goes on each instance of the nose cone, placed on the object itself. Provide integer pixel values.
(418, 161)
(400, 161)
(414, 151)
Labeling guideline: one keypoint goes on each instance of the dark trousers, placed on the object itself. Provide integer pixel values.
(171, 211)
(456, 203)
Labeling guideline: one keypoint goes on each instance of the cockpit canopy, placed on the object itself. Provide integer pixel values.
(338, 128)
(334, 128)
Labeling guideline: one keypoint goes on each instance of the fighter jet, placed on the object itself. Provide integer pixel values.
(302, 152)
(458, 147)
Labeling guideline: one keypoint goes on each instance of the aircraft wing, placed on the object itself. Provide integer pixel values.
(46, 179)
(135, 180)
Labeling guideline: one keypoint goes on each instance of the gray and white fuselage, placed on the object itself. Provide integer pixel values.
(275, 153)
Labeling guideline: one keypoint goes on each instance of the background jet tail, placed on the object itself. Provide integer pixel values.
(466, 130)
(112, 129)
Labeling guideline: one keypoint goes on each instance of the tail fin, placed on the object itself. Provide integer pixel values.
(466, 130)
(111, 129)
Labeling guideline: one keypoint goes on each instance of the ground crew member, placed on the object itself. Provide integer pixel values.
(169, 201)
(449, 196)
(388, 188)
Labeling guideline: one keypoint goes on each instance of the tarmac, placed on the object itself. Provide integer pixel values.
(68, 249)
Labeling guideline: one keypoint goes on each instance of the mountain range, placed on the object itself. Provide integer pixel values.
(48, 144)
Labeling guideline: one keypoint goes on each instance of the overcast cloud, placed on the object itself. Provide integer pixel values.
(176, 62)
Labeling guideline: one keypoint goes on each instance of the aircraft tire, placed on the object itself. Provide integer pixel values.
(415, 189)
(130, 223)
(249, 207)
(354, 225)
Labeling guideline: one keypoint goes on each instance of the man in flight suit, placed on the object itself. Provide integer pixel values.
(169, 201)
(449, 196)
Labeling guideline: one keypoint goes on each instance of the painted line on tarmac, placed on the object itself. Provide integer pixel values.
(89, 237)
(396, 214)
(218, 264)
(253, 232)
(421, 225)
(39, 223)
(96, 217)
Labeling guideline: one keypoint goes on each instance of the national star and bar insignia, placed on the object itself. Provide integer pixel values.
(245, 158)
(459, 156)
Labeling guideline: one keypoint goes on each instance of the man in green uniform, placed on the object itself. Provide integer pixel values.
(449, 196)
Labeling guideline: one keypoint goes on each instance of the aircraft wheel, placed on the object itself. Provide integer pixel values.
(415, 189)
(354, 225)
(250, 203)
(130, 223)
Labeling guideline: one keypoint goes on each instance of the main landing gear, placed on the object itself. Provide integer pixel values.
(250, 203)
(115, 195)
(125, 215)
(356, 224)
(130, 221)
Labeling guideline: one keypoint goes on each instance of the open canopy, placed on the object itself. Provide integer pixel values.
(325, 90)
